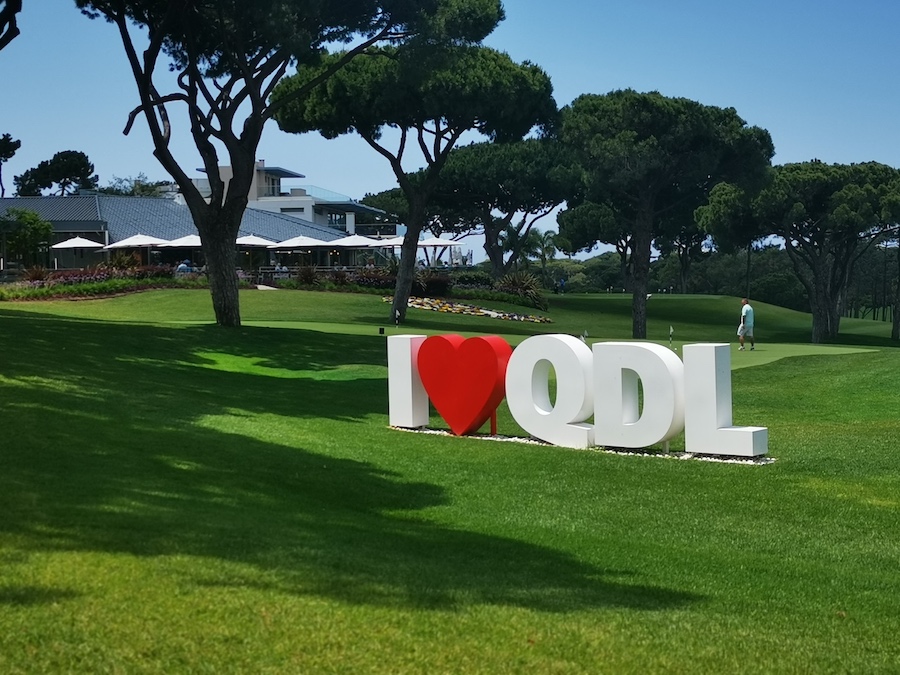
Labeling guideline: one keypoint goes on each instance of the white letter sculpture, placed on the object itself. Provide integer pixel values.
(407, 400)
(694, 396)
(528, 393)
(707, 424)
(618, 419)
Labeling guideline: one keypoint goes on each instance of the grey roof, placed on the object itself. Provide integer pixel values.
(347, 207)
(78, 213)
(278, 227)
(71, 209)
(282, 173)
(156, 216)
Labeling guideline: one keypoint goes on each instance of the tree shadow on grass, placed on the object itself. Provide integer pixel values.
(132, 372)
(108, 457)
(23, 596)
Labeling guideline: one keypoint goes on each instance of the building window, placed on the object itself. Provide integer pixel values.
(271, 187)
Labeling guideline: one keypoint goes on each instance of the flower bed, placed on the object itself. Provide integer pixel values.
(437, 305)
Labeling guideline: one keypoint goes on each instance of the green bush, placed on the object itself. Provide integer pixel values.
(471, 279)
(120, 260)
(99, 273)
(377, 278)
(96, 286)
(36, 273)
(340, 277)
(308, 276)
(579, 283)
(524, 285)
(433, 284)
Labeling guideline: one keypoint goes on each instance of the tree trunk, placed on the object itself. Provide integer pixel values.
(406, 273)
(640, 269)
(494, 252)
(819, 325)
(493, 227)
(684, 268)
(826, 314)
(622, 249)
(885, 303)
(218, 230)
(895, 325)
(824, 294)
(747, 272)
(223, 280)
(623, 269)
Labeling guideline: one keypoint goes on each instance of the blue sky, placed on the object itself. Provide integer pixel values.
(821, 76)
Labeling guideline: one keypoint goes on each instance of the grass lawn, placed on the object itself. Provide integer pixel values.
(175, 497)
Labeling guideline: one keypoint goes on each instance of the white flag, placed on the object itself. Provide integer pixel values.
(671, 331)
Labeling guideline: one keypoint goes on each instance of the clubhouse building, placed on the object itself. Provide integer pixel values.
(273, 213)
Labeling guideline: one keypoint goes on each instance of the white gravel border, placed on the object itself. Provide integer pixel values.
(721, 459)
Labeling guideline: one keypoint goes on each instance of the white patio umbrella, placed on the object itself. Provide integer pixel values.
(300, 241)
(187, 241)
(138, 241)
(77, 242)
(437, 242)
(353, 241)
(253, 240)
(74, 244)
(391, 242)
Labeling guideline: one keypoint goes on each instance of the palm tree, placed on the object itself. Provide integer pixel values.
(547, 251)
(521, 247)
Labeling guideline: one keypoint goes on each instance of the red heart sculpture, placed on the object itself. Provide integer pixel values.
(464, 378)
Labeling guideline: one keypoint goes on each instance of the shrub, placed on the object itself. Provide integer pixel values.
(433, 284)
(120, 260)
(151, 272)
(42, 290)
(377, 278)
(579, 283)
(91, 274)
(340, 277)
(36, 273)
(102, 272)
(524, 285)
(489, 295)
(472, 279)
(308, 276)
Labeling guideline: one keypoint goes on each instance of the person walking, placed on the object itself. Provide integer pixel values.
(746, 327)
